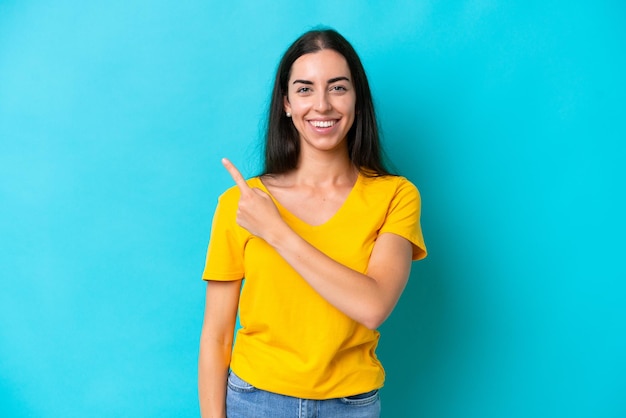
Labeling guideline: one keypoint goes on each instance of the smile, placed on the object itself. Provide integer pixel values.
(322, 123)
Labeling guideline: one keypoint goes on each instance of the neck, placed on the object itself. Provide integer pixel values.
(324, 169)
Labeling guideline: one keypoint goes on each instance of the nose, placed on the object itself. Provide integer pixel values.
(322, 104)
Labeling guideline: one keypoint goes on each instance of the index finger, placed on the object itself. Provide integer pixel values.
(235, 174)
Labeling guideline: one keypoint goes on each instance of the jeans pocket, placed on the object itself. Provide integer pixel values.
(362, 399)
(238, 384)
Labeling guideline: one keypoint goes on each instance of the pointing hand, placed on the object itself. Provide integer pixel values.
(257, 212)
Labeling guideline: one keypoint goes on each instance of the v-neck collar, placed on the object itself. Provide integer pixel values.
(293, 217)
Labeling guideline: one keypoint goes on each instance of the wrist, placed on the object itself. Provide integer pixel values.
(279, 236)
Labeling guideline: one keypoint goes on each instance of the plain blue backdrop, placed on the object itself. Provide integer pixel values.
(508, 116)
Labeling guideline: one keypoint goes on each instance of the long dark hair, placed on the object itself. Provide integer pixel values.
(282, 144)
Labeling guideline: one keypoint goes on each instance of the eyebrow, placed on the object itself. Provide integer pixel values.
(331, 81)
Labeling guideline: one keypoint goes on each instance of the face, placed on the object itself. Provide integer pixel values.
(321, 100)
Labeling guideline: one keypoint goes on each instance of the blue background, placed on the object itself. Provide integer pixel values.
(509, 117)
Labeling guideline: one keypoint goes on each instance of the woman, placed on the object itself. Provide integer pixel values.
(324, 239)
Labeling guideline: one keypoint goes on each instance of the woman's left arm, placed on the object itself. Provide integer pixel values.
(367, 298)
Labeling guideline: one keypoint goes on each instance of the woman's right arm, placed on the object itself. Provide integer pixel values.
(220, 313)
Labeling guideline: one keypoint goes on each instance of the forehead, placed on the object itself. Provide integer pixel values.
(324, 64)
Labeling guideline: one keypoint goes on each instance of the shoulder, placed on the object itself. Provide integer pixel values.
(394, 194)
(389, 185)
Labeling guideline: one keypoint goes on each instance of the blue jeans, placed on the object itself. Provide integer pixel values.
(245, 401)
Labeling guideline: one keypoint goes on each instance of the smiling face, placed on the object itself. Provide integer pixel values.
(321, 100)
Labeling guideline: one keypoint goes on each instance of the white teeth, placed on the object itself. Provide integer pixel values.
(322, 123)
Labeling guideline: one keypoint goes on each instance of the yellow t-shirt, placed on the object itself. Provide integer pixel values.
(291, 340)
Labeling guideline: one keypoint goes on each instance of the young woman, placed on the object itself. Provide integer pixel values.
(324, 239)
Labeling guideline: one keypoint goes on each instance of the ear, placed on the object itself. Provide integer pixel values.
(286, 104)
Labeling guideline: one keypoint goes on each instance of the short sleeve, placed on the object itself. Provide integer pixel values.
(403, 217)
(224, 259)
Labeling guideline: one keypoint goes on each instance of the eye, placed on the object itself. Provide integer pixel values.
(338, 88)
(303, 90)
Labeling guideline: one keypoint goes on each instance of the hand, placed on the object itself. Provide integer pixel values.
(257, 212)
